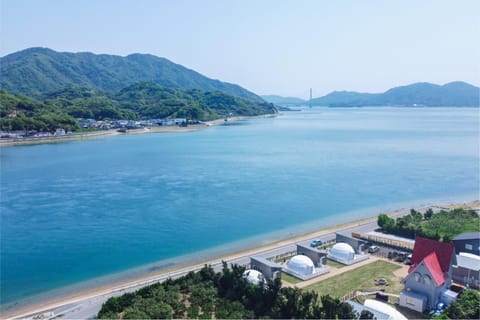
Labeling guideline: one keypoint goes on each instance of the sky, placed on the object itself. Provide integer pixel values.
(267, 46)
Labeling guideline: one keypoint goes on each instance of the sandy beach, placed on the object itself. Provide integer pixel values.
(113, 132)
(121, 286)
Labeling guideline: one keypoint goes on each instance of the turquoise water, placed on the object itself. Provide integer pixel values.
(79, 210)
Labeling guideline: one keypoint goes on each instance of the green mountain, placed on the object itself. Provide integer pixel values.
(143, 100)
(345, 98)
(454, 94)
(150, 100)
(35, 71)
(291, 101)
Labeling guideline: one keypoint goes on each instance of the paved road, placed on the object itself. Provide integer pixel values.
(89, 307)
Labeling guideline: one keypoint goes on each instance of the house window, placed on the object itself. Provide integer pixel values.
(418, 277)
(427, 280)
(468, 246)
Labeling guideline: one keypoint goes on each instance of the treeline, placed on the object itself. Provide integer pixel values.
(224, 295)
(22, 113)
(442, 226)
(144, 100)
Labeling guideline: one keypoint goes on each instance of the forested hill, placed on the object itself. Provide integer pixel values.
(454, 94)
(144, 100)
(35, 71)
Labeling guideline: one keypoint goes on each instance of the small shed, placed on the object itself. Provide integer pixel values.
(355, 243)
(317, 256)
(269, 269)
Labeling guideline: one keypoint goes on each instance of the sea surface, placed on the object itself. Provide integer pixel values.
(82, 210)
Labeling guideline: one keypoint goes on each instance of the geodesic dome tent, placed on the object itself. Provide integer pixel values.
(301, 264)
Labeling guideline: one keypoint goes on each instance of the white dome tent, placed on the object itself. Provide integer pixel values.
(342, 252)
(302, 265)
(253, 276)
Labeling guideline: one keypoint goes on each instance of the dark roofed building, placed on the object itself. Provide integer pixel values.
(319, 257)
(466, 271)
(269, 269)
(468, 242)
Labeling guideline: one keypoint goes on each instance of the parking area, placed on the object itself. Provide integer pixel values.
(393, 254)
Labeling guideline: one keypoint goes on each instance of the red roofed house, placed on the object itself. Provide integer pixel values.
(429, 276)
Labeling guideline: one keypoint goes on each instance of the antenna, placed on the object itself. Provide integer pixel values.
(310, 101)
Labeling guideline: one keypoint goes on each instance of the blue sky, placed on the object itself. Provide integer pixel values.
(270, 47)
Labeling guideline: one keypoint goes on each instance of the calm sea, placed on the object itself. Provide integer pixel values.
(79, 210)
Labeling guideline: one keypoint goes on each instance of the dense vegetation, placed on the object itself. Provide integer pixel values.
(21, 113)
(454, 94)
(467, 306)
(150, 100)
(443, 225)
(34, 71)
(223, 295)
(145, 100)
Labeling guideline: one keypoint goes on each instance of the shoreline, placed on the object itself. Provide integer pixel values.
(114, 132)
(135, 282)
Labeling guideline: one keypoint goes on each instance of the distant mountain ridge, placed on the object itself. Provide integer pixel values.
(36, 71)
(453, 94)
(284, 100)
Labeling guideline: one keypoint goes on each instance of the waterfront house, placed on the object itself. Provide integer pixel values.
(468, 242)
(429, 277)
(466, 270)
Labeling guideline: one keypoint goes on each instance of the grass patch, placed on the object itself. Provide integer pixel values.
(360, 279)
(290, 279)
(334, 264)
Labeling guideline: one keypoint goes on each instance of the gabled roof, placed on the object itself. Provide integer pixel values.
(433, 265)
(423, 247)
(468, 236)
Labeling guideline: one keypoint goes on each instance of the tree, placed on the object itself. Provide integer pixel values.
(134, 313)
(329, 307)
(384, 220)
(365, 314)
(467, 306)
(428, 214)
(345, 311)
(159, 310)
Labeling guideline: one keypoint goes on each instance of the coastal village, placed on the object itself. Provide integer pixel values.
(380, 275)
(92, 126)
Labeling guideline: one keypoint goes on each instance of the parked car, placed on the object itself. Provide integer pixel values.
(373, 249)
(392, 254)
(401, 257)
(316, 243)
(408, 261)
